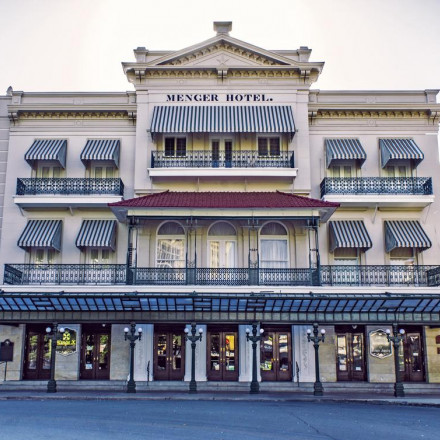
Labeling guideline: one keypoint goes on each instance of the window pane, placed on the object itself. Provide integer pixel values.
(273, 229)
(171, 228)
(56, 172)
(181, 147)
(336, 171)
(274, 253)
(45, 172)
(274, 146)
(169, 147)
(109, 172)
(94, 256)
(170, 253)
(222, 228)
(262, 146)
(214, 249)
(98, 172)
(105, 256)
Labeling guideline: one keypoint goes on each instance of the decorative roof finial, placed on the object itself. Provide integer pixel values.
(223, 27)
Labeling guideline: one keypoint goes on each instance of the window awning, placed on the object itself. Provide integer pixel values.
(97, 234)
(222, 119)
(41, 234)
(397, 149)
(100, 150)
(349, 234)
(405, 234)
(48, 150)
(344, 149)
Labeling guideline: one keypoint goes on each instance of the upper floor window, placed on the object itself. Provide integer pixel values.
(342, 171)
(43, 256)
(274, 246)
(48, 171)
(170, 249)
(175, 146)
(396, 171)
(98, 256)
(103, 172)
(222, 244)
(269, 146)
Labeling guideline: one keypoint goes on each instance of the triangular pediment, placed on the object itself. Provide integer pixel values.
(223, 51)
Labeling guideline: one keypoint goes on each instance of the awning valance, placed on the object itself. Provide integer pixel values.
(349, 234)
(41, 234)
(344, 149)
(222, 119)
(100, 150)
(397, 149)
(97, 234)
(405, 234)
(47, 150)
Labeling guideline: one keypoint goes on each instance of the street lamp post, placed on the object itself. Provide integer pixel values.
(132, 337)
(54, 334)
(193, 339)
(396, 339)
(255, 386)
(316, 339)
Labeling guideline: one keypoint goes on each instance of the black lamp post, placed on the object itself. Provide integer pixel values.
(132, 337)
(255, 386)
(193, 338)
(396, 339)
(316, 339)
(54, 335)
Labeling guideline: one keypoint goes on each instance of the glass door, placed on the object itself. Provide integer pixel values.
(95, 355)
(276, 356)
(350, 356)
(222, 253)
(411, 357)
(222, 355)
(169, 359)
(37, 354)
(215, 153)
(228, 154)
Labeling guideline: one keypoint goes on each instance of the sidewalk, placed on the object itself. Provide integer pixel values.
(377, 399)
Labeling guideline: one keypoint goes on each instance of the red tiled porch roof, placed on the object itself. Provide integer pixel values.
(224, 200)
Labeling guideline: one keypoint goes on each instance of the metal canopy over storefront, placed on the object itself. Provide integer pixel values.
(286, 308)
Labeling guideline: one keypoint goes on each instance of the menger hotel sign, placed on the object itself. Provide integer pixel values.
(214, 97)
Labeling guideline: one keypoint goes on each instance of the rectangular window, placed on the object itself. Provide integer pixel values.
(175, 147)
(269, 146)
(99, 256)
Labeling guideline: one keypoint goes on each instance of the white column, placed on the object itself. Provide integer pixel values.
(143, 353)
(303, 353)
(245, 355)
(200, 356)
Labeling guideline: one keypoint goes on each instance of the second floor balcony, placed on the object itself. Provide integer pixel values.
(328, 275)
(227, 163)
(68, 191)
(379, 191)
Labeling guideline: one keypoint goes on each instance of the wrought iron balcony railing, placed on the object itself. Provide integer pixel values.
(234, 159)
(377, 185)
(374, 275)
(69, 186)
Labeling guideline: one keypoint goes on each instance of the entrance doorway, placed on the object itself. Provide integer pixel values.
(95, 353)
(37, 353)
(169, 353)
(221, 152)
(411, 359)
(350, 354)
(276, 355)
(222, 354)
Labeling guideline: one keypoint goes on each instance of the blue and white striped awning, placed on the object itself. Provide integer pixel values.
(405, 234)
(41, 234)
(344, 149)
(97, 234)
(396, 149)
(222, 119)
(349, 234)
(47, 150)
(101, 149)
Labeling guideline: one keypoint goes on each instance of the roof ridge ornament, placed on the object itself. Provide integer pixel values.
(222, 27)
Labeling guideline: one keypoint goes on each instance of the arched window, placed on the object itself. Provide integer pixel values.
(222, 245)
(274, 246)
(170, 250)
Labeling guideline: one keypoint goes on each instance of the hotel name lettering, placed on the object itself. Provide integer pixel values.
(214, 97)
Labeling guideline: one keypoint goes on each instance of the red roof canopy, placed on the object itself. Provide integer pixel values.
(223, 200)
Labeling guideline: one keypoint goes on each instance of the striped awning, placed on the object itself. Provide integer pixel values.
(405, 234)
(344, 149)
(97, 234)
(41, 234)
(396, 149)
(349, 234)
(48, 150)
(222, 119)
(101, 149)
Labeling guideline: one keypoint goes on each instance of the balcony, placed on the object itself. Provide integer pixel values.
(378, 191)
(68, 192)
(235, 163)
(110, 274)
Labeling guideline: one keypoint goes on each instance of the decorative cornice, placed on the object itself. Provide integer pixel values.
(72, 114)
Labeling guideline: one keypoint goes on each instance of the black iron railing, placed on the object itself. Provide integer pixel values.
(376, 185)
(234, 159)
(374, 275)
(69, 185)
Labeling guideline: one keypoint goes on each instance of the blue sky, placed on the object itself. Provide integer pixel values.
(78, 45)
